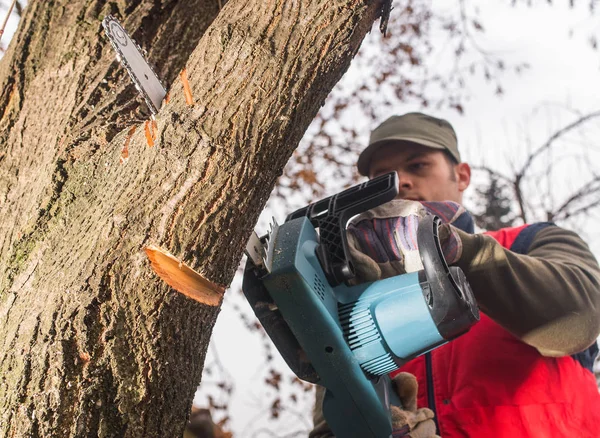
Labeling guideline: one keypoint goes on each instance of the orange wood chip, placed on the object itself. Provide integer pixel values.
(125, 150)
(154, 129)
(189, 99)
(182, 278)
(148, 128)
(167, 98)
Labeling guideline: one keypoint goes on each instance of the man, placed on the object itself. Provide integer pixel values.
(525, 369)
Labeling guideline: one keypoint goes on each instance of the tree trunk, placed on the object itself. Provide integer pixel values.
(92, 342)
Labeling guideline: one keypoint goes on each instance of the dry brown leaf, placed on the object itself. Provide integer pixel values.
(182, 278)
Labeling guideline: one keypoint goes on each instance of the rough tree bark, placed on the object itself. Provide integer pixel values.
(92, 342)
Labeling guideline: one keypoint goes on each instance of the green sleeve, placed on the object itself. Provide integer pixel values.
(549, 297)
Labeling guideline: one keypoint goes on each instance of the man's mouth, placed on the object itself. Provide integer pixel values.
(409, 198)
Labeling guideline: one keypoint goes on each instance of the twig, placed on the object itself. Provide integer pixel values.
(516, 185)
(581, 210)
(519, 195)
(493, 173)
(467, 34)
(554, 137)
(266, 410)
(589, 188)
(520, 175)
(12, 5)
(220, 365)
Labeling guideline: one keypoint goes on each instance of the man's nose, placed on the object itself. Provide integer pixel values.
(404, 181)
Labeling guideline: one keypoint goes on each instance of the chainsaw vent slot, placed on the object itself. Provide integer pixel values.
(319, 288)
(363, 337)
(380, 365)
(357, 324)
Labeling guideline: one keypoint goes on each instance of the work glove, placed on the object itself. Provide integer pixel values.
(409, 421)
(383, 241)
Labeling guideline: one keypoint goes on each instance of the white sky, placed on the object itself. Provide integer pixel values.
(564, 74)
(563, 71)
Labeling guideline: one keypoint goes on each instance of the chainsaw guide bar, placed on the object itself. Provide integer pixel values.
(131, 56)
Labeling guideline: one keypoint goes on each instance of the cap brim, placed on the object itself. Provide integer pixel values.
(364, 159)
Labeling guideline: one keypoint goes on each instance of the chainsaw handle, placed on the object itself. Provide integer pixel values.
(331, 215)
(447, 292)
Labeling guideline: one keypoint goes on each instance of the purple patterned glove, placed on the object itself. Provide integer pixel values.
(383, 241)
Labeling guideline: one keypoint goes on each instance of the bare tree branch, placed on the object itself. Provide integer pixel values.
(553, 138)
(492, 172)
(514, 183)
(590, 188)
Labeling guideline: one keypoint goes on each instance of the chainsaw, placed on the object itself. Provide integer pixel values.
(348, 338)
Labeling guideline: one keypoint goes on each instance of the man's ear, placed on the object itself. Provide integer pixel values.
(463, 176)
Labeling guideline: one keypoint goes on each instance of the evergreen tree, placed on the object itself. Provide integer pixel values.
(496, 202)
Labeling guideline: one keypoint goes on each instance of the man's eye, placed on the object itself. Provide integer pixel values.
(417, 166)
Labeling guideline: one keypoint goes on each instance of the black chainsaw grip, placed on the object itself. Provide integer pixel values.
(447, 292)
(331, 215)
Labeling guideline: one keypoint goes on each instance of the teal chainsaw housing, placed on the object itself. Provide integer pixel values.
(348, 338)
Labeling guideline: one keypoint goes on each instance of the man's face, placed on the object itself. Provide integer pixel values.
(424, 174)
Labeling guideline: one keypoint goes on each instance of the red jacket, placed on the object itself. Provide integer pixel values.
(488, 383)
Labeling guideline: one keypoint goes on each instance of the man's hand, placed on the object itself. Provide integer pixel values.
(383, 241)
(410, 421)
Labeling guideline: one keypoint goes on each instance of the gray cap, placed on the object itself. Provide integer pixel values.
(414, 128)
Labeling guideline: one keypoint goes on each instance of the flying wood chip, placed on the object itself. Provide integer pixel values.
(125, 150)
(189, 99)
(151, 131)
(182, 278)
(148, 131)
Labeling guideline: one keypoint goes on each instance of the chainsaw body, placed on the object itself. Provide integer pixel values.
(348, 338)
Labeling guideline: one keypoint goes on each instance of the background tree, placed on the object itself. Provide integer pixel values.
(496, 206)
